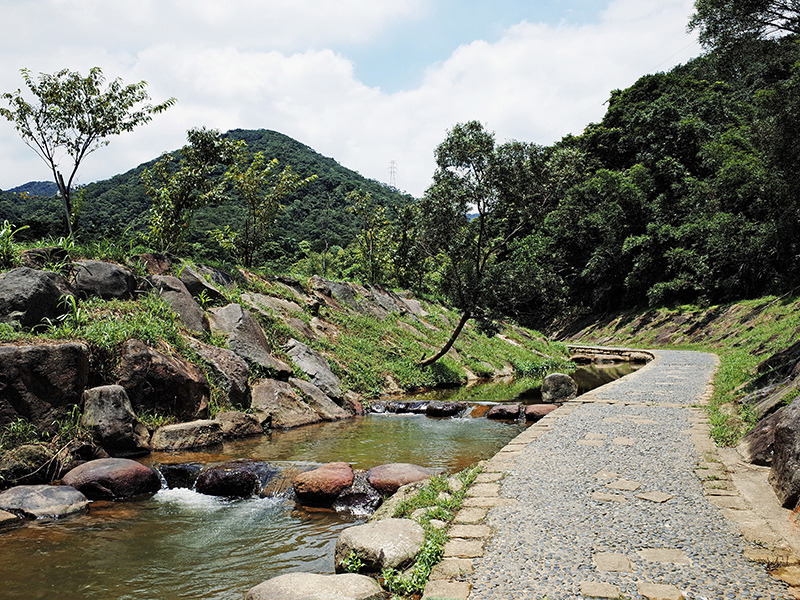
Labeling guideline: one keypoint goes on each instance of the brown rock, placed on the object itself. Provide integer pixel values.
(758, 445)
(509, 412)
(785, 473)
(38, 258)
(387, 478)
(534, 412)
(112, 479)
(154, 264)
(39, 383)
(161, 383)
(284, 408)
(321, 486)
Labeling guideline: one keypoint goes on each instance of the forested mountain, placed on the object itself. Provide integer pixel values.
(317, 213)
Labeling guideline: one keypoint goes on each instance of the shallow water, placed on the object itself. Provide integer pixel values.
(180, 544)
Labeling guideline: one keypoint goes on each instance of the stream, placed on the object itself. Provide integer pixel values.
(180, 544)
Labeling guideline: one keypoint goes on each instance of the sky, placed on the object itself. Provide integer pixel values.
(366, 82)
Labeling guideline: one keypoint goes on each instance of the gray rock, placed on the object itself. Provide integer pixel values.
(197, 284)
(28, 464)
(108, 414)
(246, 338)
(310, 586)
(112, 479)
(174, 293)
(102, 279)
(313, 364)
(40, 383)
(260, 302)
(154, 264)
(281, 405)
(785, 473)
(164, 384)
(758, 445)
(235, 479)
(231, 370)
(38, 258)
(236, 424)
(316, 399)
(40, 501)
(386, 544)
(29, 296)
(558, 387)
(184, 436)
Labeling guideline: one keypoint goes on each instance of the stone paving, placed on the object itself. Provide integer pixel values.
(618, 494)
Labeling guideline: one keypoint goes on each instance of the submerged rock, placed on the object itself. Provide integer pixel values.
(235, 479)
(40, 501)
(386, 544)
(181, 475)
(445, 409)
(113, 479)
(310, 586)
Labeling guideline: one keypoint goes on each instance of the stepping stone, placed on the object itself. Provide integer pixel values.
(612, 561)
(789, 574)
(488, 502)
(484, 490)
(459, 548)
(596, 443)
(603, 497)
(644, 421)
(624, 484)
(488, 477)
(597, 589)
(613, 420)
(657, 591)
(470, 531)
(452, 568)
(470, 515)
(595, 436)
(451, 590)
(657, 497)
(664, 555)
(606, 475)
(624, 441)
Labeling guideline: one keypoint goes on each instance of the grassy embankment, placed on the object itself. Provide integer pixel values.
(742, 334)
(368, 354)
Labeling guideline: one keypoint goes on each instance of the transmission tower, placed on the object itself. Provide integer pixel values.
(393, 173)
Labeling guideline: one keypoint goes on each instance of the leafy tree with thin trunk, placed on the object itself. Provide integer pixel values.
(72, 116)
(723, 23)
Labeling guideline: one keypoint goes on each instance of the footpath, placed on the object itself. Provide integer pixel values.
(621, 494)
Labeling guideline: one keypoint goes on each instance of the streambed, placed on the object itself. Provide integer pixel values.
(180, 544)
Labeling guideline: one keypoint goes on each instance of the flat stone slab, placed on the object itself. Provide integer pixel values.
(470, 531)
(789, 574)
(470, 515)
(657, 497)
(612, 562)
(483, 502)
(452, 568)
(595, 443)
(612, 421)
(446, 590)
(664, 555)
(733, 502)
(595, 436)
(624, 484)
(604, 497)
(484, 490)
(488, 477)
(606, 475)
(460, 548)
(597, 589)
(623, 441)
(6, 518)
(658, 591)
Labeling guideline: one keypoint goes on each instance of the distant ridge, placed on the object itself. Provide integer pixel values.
(36, 188)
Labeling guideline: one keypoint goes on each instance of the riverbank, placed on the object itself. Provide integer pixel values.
(620, 493)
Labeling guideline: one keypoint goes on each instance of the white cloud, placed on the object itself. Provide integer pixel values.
(252, 67)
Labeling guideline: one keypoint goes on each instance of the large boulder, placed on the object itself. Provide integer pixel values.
(185, 436)
(310, 586)
(28, 464)
(558, 387)
(181, 475)
(161, 383)
(387, 478)
(279, 404)
(39, 383)
(313, 364)
(29, 296)
(237, 424)
(39, 258)
(198, 285)
(235, 479)
(757, 447)
(232, 371)
(41, 501)
(385, 544)
(113, 479)
(504, 412)
(102, 279)
(174, 293)
(785, 473)
(319, 401)
(321, 486)
(109, 416)
(246, 338)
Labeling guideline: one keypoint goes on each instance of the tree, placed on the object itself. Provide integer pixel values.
(468, 219)
(375, 244)
(178, 191)
(263, 187)
(723, 23)
(72, 117)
